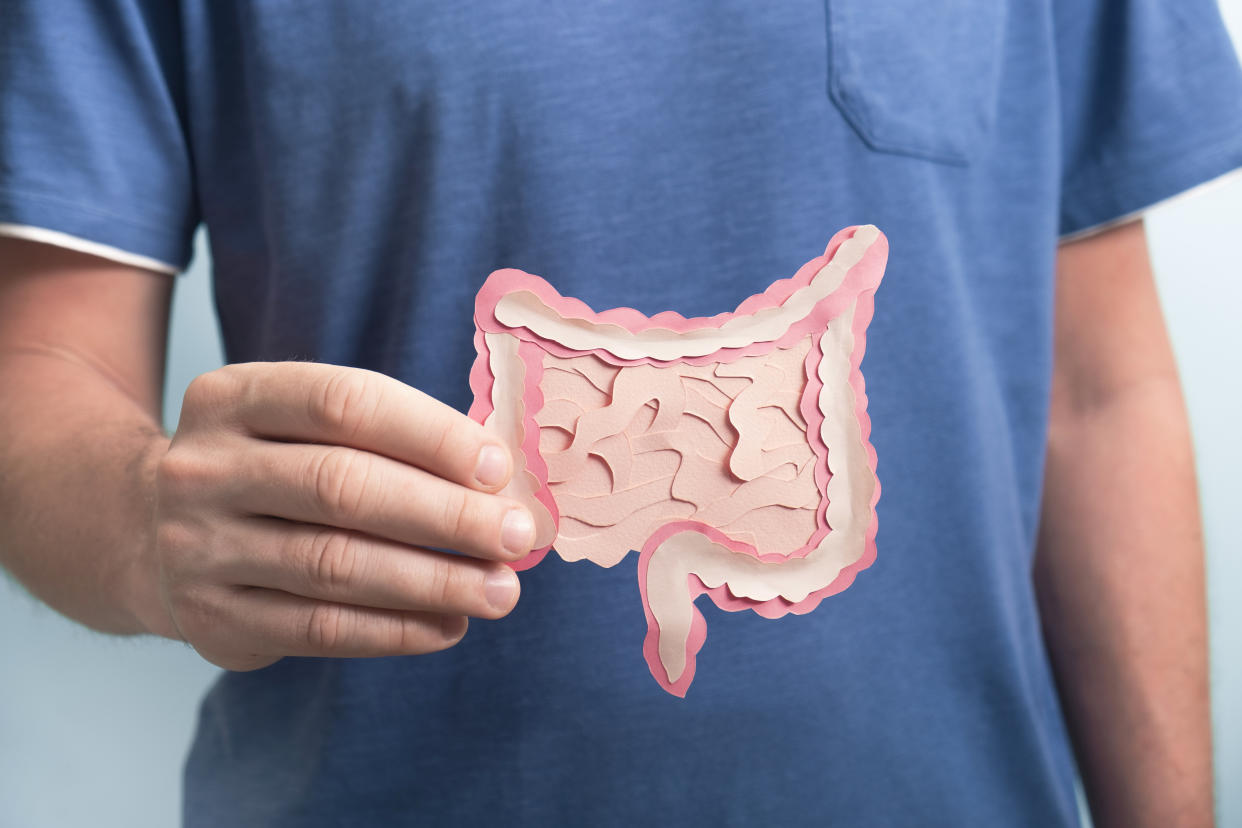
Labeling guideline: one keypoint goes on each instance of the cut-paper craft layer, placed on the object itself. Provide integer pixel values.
(731, 452)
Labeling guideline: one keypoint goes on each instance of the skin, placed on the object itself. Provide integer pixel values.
(290, 512)
(1119, 571)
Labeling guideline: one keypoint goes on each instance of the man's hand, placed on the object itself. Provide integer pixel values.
(296, 509)
(293, 512)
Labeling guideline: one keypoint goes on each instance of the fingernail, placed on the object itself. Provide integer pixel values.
(517, 532)
(492, 467)
(499, 586)
(452, 626)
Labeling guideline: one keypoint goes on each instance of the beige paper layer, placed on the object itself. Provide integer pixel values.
(509, 373)
(523, 308)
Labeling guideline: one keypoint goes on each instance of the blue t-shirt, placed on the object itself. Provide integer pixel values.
(362, 167)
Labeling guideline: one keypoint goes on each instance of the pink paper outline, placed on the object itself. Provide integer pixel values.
(860, 284)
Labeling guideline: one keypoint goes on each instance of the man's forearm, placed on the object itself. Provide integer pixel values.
(77, 458)
(1119, 575)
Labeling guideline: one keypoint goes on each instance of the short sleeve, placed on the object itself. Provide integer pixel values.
(92, 144)
(1151, 104)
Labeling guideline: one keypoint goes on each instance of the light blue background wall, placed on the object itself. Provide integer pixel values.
(93, 729)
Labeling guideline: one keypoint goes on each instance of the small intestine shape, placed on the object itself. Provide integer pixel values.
(732, 452)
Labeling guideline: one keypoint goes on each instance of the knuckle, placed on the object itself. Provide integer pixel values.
(197, 610)
(333, 559)
(442, 435)
(210, 390)
(444, 584)
(345, 404)
(324, 629)
(340, 480)
(180, 471)
(411, 637)
(459, 515)
(174, 539)
(200, 605)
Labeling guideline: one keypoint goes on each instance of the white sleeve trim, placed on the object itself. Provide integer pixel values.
(104, 251)
(1211, 184)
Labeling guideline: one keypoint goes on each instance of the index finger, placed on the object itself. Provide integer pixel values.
(335, 405)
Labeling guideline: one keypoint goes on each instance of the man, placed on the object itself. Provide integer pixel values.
(361, 169)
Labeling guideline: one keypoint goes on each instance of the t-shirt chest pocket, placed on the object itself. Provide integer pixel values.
(917, 77)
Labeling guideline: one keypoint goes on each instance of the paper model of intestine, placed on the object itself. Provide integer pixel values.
(732, 452)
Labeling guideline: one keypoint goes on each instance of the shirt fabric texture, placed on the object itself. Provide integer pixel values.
(361, 168)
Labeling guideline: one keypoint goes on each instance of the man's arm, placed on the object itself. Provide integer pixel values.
(1119, 568)
(82, 344)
